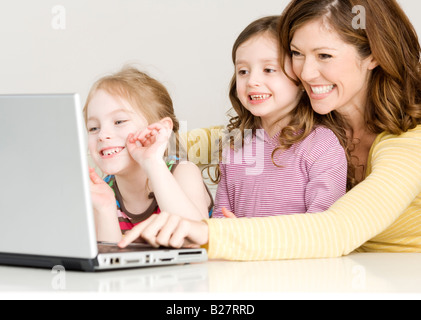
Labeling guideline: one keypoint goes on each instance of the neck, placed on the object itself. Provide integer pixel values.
(354, 117)
(272, 127)
(132, 186)
(363, 139)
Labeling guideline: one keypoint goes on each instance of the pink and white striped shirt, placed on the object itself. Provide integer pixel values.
(311, 177)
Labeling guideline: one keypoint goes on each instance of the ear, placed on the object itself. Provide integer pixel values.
(168, 123)
(372, 63)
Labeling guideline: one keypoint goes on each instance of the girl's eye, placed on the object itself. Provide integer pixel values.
(93, 130)
(243, 72)
(118, 122)
(269, 70)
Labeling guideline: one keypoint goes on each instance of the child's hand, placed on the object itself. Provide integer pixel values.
(228, 214)
(102, 195)
(149, 144)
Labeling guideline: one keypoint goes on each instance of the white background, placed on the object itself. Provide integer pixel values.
(186, 44)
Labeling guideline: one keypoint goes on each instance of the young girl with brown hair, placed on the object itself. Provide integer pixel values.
(301, 166)
(130, 119)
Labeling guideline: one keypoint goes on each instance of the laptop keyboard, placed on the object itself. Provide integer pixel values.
(104, 247)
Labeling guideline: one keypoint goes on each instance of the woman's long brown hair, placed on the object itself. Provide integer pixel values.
(394, 97)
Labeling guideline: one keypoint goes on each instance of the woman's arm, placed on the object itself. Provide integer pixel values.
(364, 212)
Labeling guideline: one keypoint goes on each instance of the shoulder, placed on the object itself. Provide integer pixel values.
(413, 135)
(186, 168)
(319, 142)
(406, 145)
(322, 136)
(189, 177)
(398, 158)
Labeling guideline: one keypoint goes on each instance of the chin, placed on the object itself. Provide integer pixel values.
(322, 110)
(109, 170)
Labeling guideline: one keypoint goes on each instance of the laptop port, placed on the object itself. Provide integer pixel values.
(187, 253)
(132, 261)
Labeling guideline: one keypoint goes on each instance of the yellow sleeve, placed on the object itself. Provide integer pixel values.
(367, 210)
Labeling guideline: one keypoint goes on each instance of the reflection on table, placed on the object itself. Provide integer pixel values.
(357, 273)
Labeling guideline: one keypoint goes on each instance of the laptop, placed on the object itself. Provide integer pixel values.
(45, 207)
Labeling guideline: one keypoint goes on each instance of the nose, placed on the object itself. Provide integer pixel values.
(254, 80)
(104, 137)
(307, 70)
(104, 134)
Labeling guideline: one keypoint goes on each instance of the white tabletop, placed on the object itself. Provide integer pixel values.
(354, 274)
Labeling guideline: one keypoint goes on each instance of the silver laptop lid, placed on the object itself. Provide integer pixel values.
(45, 205)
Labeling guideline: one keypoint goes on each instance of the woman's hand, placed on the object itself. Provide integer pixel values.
(149, 144)
(169, 230)
(103, 197)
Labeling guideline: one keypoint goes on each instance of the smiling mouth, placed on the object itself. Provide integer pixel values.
(111, 151)
(322, 89)
(259, 97)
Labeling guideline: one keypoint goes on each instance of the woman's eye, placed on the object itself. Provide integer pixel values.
(324, 56)
(118, 122)
(93, 129)
(295, 53)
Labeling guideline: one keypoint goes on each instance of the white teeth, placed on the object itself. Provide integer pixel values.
(260, 97)
(322, 89)
(110, 152)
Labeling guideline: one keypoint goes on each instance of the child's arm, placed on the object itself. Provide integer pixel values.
(182, 193)
(104, 205)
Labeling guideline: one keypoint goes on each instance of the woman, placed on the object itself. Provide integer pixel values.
(371, 79)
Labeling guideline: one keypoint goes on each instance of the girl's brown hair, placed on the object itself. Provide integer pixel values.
(146, 95)
(303, 117)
